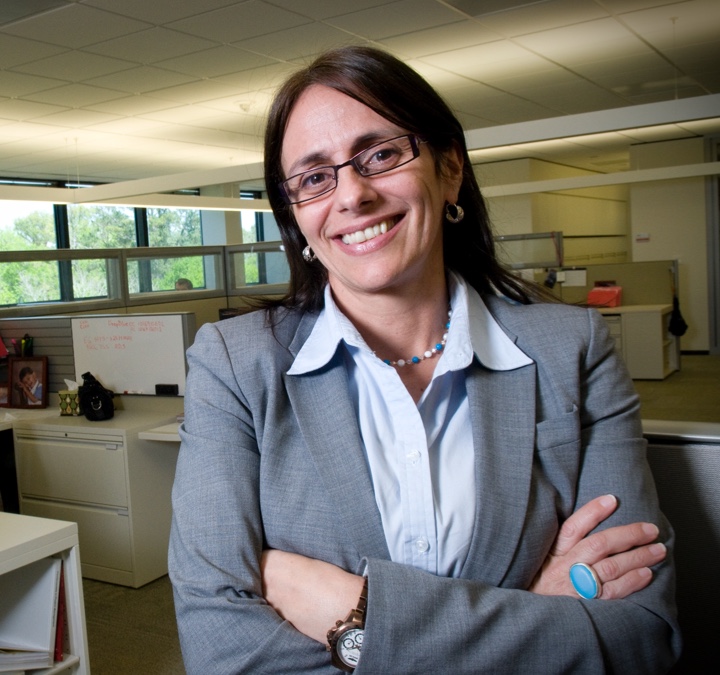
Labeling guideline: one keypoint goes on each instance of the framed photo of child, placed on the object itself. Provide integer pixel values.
(4, 380)
(28, 381)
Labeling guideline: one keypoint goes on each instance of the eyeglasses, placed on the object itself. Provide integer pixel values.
(379, 158)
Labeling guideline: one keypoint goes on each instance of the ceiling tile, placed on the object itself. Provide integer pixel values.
(537, 17)
(75, 118)
(151, 45)
(20, 84)
(78, 63)
(439, 39)
(695, 21)
(74, 95)
(160, 13)
(620, 7)
(575, 97)
(76, 26)
(239, 22)
(584, 42)
(251, 103)
(15, 10)
(195, 92)
(492, 60)
(396, 18)
(299, 42)
(441, 78)
(505, 109)
(19, 109)
(263, 78)
(132, 105)
(214, 62)
(326, 9)
(15, 51)
(140, 80)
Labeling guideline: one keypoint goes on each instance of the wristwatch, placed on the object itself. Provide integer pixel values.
(345, 638)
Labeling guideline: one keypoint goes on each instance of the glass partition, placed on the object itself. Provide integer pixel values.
(166, 270)
(259, 268)
(35, 278)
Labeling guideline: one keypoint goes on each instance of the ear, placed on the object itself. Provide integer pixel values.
(453, 164)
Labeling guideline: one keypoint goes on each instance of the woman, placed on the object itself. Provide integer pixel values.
(401, 460)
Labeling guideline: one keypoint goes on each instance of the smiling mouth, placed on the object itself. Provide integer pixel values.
(368, 233)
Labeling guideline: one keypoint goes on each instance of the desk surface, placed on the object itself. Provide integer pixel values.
(631, 309)
(167, 432)
(8, 416)
(24, 539)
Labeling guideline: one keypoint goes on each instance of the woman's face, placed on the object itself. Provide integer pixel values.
(327, 127)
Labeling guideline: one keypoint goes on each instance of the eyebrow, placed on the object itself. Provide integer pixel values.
(320, 159)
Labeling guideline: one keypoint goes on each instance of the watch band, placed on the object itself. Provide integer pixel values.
(353, 624)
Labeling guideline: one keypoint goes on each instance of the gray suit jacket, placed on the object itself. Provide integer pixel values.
(272, 460)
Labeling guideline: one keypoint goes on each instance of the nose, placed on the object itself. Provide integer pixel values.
(353, 190)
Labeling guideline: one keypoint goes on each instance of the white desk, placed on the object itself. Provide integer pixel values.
(8, 416)
(167, 433)
(642, 337)
(103, 477)
(23, 540)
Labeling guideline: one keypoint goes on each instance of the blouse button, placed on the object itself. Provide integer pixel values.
(422, 545)
(413, 457)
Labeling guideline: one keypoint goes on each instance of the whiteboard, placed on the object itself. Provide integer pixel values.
(131, 353)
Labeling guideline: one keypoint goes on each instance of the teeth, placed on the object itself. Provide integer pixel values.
(364, 235)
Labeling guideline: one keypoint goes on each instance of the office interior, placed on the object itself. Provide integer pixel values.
(598, 119)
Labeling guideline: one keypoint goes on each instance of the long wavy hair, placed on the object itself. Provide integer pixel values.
(399, 94)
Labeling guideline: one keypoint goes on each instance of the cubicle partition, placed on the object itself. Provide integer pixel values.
(643, 283)
(685, 461)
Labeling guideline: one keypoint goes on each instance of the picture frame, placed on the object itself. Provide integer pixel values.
(27, 382)
(4, 383)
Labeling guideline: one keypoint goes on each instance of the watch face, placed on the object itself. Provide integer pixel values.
(349, 646)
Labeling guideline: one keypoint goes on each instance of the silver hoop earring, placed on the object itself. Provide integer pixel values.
(308, 255)
(454, 213)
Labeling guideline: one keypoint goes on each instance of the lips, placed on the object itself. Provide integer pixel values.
(368, 233)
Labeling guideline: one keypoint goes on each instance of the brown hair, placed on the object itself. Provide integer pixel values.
(399, 94)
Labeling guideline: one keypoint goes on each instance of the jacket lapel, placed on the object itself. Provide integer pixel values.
(329, 427)
(502, 410)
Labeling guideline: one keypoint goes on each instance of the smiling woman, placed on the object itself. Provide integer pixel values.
(394, 467)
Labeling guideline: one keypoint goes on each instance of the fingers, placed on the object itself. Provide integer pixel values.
(583, 521)
(614, 540)
(628, 572)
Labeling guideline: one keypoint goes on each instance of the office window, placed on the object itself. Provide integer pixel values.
(148, 273)
(174, 227)
(25, 283)
(26, 226)
(92, 279)
(96, 226)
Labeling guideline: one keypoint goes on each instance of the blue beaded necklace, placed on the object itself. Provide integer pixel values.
(433, 351)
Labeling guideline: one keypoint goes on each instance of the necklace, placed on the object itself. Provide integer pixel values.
(433, 351)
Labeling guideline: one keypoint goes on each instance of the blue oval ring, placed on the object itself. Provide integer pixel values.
(585, 581)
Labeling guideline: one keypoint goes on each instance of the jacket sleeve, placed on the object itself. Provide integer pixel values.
(216, 540)
(419, 623)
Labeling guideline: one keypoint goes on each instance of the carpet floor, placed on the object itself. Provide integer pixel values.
(132, 631)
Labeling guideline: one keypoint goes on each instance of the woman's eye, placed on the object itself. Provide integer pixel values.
(383, 155)
(315, 179)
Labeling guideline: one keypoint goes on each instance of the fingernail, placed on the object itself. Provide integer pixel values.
(645, 572)
(608, 500)
(650, 529)
(658, 549)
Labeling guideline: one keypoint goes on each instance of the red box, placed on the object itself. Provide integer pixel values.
(605, 296)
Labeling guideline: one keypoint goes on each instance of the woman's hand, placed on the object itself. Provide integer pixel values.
(311, 594)
(621, 556)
